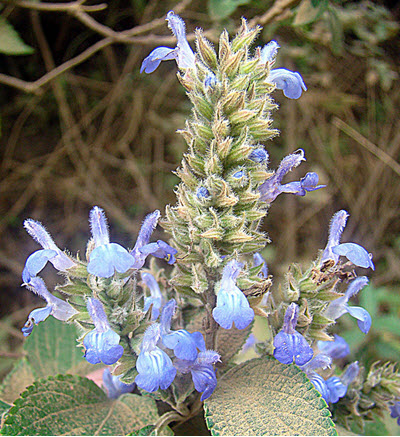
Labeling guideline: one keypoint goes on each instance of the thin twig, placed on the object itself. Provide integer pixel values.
(56, 7)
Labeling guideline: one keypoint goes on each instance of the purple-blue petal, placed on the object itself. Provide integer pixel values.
(258, 260)
(335, 349)
(320, 384)
(363, 317)
(259, 155)
(204, 380)
(233, 307)
(108, 258)
(102, 347)
(354, 253)
(155, 370)
(154, 59)
(36, 316)
(336, 389)
(291, 348)
(290, 82)
(184, 344)
(36, 262)
(160, 249)
(269, 51)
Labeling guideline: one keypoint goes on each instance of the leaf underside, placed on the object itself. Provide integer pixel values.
(265, 397)
(72, 405)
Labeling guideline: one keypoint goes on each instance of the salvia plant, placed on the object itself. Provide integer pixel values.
(167, 331)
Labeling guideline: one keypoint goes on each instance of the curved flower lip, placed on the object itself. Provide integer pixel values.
(290, 82)
(354, 253)
(269, 51)
(156, 299)
(35, 317)
(106, 259)
(160, 249)
(36, 262)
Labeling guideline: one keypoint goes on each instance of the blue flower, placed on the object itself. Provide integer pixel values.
(202, 193)
(143, 248)
(102, 343)
(182, 53)
(290, 82)
(51, 252)
(289, 344)
(335, 349)
(56, 307)
(160, 249)
(232, 305)
(183, 343)
(259, 260)
(395, 411)
(156, 299)
(202, 370)
(340, 306)
(153, 364)
(272, 187)
(334, 387)
(114, 386)
(259, 155)
(106, 257)
(352, 251)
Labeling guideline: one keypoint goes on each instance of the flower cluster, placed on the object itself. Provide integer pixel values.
(155, 367)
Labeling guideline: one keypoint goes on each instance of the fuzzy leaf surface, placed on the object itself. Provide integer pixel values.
(265, 397)
(52, 349)
(72, 405)
(16, 381)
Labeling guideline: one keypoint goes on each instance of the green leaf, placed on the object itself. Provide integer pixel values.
(221, 9)
(10, 42)
(72, 405)
(52, 349)
(4, 407)
(265, 397)
(230, 341)
(16, 381)
(336, 30)
(307, 13)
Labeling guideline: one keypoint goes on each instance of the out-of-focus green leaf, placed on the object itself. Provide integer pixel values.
(10, 42)
(221, 9)
(52, 349)
(72, 405)
(308, 13)
(16, 381)
(336, 30)
(265, 397)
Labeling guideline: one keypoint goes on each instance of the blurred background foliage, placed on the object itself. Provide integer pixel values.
(81, 127)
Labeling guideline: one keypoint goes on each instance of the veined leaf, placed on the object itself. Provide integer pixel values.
(52, 349)
(265, 397)
(72, 405)
(10, 42)
(16, 381)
